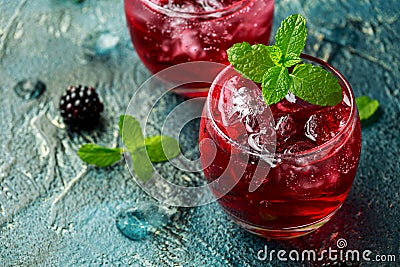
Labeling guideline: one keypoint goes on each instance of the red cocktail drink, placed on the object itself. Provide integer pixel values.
(292, 163)
(165, 33)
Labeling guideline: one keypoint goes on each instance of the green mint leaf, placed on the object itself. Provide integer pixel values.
(291, 36)
(291, 59)
(161, 148)
(275, 54)
(141, 164)
(99, 155)
(275, 84)
(366, 106)
(250, 61)
(316, 85)
(130, 132)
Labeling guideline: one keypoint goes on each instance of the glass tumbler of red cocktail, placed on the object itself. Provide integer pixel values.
(290, 165)
(168, 32)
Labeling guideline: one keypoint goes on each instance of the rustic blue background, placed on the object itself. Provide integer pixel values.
(56, 211)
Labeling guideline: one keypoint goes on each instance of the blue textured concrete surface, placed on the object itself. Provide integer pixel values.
(57, 211)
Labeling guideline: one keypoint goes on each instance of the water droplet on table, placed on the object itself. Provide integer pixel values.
(100, 43)
(29, 89)
(140, 222)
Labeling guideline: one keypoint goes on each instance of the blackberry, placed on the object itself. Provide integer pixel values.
(80, 106)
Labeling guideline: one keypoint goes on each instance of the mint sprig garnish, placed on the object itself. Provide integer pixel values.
(275, 54)
(144, 151)
(269, 65)
(251, 61)
(291, 59)
(291, 36)
(276, 82)
(315, 85)
(366, 107)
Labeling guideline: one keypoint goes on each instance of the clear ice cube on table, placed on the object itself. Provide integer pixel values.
(139, 222)
(29, 88)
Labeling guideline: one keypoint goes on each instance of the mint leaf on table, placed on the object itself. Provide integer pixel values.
(143, 151)
(130, 132)
(161, 148)
(132, 137)
(141, 164)
(251, 61)
(315, 85)
(366, 107)
(275, 84)
(291, 36)
(99, 155)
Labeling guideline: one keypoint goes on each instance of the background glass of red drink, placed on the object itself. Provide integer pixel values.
(308, 174)
(169, 32)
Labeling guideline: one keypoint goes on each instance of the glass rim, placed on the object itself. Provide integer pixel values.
(317, 149)
(205, 14)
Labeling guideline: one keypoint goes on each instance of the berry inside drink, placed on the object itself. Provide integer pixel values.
(317, 151)
(168, 32)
